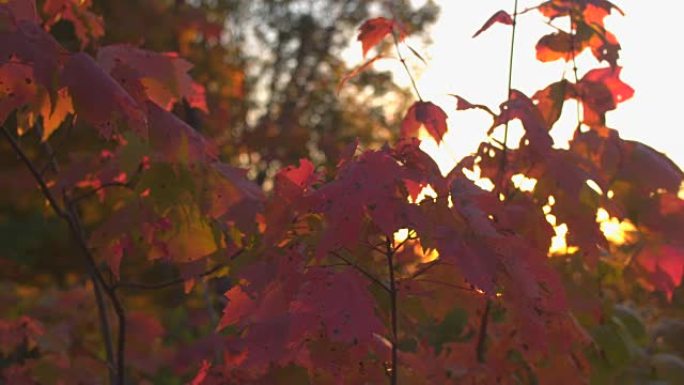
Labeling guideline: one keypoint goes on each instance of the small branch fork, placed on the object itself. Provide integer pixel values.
(68, 213)
(402, 59)
(361, 270)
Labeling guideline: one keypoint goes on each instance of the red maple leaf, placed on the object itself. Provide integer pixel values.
(99, 99)
(164, 76)
(18, 87)
(663, 267)
(370, 186)
(500, 17)
(519, 106)
(462, 104)
(20, 10)
(173, 140)
(374, 30)
(600, 90)
(427, 114)
(550, 100)
(341, 302)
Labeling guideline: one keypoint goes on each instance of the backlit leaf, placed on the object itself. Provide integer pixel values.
(373, 31)
(100, 100)
(501, 17)
(427, 114)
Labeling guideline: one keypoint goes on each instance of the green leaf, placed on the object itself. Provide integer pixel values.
(668, 367)
(632, 322)
(613, 345)
(449, 330)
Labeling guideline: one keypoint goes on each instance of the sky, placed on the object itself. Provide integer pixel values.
(477, 69)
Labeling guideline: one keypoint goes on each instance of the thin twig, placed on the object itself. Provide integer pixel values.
(504, 157)
(481, 350)
(52, 159)
(447, 284)
(36, 174)
(103, 186)
(403, 62)
(129, 184)
(402, 243)
(360, 269)
(115, 366)
(376, 247)
(79, 235)
(327, 265)
(394, 375)
(163, 285)
(175, 281)
(484, 321)
(425, 268)
(573, 37)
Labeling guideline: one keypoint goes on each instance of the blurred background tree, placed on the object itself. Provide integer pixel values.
(271, 70)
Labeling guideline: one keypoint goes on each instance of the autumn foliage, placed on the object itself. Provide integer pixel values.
(160, 259)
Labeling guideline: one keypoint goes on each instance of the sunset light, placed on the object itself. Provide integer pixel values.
(476, 68)
(475, 77)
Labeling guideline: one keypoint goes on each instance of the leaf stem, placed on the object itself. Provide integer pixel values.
(573, 43)
(504, 158)
(389, 253)
(173, 282)
(402, 59)
(481, 350)
(361, 270)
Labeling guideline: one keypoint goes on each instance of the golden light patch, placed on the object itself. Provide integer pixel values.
(476, 176)
(559, 244)
(523, 183)
(616, 231)
(401, 235)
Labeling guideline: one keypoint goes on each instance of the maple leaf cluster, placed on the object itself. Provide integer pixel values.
(379, 269)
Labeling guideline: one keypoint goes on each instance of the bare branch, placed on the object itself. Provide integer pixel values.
(482, 334)
(173, 282)
(447, 284)
(360, 269)
(68, 214)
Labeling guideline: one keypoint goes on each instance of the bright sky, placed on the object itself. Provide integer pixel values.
(477, 69)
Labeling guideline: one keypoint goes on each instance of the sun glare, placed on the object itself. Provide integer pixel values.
(523, 183)
(479, 77)
(616, 231)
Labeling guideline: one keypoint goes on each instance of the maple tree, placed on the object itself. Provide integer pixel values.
(157, 260)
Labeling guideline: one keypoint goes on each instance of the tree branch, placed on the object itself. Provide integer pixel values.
(425, 269)
(481, 350)
(447, 284)
(363, 271)
(403, 62)
(116, 366)
(389, 253)
(173, 282)
(573, 47)
(504, 157)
